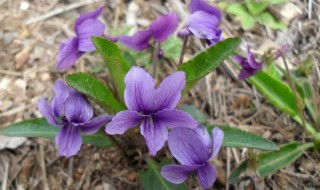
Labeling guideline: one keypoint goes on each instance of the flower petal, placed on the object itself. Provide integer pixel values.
(187, 147)
(140, 90)
(177, 173)
(217, 139)
(207, 176)
(154, 133)
(252, 61)
(164, 26)
(204, 25)
(77, 108)
(94, 125)
(61, 94)
(46, 110)
(139, 41)
(89, 15)
(168, 93)
(246, 73)
(238, 59)
(201, 5)
(84, 31)
(68, 141)
(68, 53)
(184, 32)
(123, 121)
(202, 132)
(175, 118)
(111, 38)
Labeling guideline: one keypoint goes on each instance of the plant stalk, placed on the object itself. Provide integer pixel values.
(183, 50)
(295, 93)
(156, 47)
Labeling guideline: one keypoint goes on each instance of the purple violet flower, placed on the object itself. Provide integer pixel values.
(249, 65)
(194, 150)
(71, 111)
(203, 22)
(86, 25)
(159, 30)
(283, 49)
(153, 109)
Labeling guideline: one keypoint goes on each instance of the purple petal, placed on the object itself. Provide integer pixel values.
(77, 108)
(184, 32)
(139, 42)
(283, 49)
(244, 74)
(89, 15)
(252, 61)
(201, 5)
(207, 176)
(68, 141)
(187, 147)
(217, 139)
(164, 26)
(46, 110)
(61, 94)
(154, 133)
(94, 125)
(204, 25)
(140, 90)
(238, 59)
(68, 53)
(111, 38)
(175, 118)
(84, 31)
(218, 38)
(168, 93)
(123, 121)
(177, 173)
(202, 132)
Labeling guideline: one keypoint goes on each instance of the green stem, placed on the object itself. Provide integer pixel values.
(156, 47)
(183, 50)
(295, 93)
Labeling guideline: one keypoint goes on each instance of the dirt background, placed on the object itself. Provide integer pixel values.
(30, 32)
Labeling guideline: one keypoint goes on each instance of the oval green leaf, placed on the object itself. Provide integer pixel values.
(272, 161)
(96, 90)
(207, 61)
(41, 128)
(151, 178)
(234, 137)
(277, 92)
(116, 64)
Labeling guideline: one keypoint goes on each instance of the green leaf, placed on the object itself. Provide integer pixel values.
(207, 61)
(234, 137)
(268, 19)
(272, 161)
(96, 90)
(256, 7)
(151, 178)
(194, 112)
(172, 47)
(247, 21)
(234, 177)
(115, 62)
(277, 92)
(41, 128)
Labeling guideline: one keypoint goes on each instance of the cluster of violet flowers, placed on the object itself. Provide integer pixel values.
(150, 107)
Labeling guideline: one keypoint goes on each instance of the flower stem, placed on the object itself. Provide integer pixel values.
(183, 50)
(156, 47)
(295, 93)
